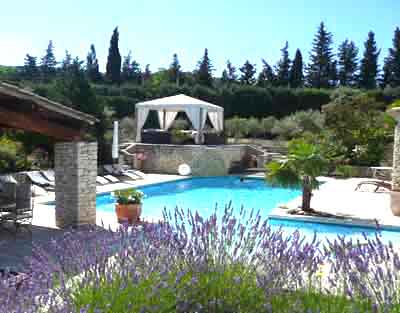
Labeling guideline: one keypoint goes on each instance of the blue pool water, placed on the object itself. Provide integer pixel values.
(204, 194)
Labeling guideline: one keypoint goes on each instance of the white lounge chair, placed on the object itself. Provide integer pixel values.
(112, 178)
(102, 181)
(49, 175)
(120, 171)
(38, 179)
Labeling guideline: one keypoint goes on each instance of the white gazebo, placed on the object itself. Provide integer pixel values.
(167, 108)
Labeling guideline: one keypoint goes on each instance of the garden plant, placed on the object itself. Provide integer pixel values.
(228, 262)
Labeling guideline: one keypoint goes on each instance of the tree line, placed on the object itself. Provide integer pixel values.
(325, 68)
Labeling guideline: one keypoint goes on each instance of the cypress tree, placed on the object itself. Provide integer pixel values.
(392, 62)
(369, 63)
(174, 71)
(347, 63)
(266, 78)
(131, 70)
(48, 62)
(204, 70)
(320, 69)
(146, 76)
(224, 77)
(92, 65)
(31, 70)
(296, 71)
(283, 67)
(248, 70)
(113, 68)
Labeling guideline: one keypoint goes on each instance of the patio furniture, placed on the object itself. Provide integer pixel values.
(378, 183)
(381, 172)
(156, 136)
(102, 181)
(112, 178)
(49, 175)
(38, 179)
(7, 199)
(21, 214)
(120, 171)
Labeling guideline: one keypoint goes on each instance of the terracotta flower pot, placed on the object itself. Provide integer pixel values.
(128, 213)
(395, 202)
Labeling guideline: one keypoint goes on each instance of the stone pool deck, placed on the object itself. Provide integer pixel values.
(353, 208)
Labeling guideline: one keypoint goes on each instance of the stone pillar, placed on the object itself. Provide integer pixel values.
(395, 112)
(75, 177)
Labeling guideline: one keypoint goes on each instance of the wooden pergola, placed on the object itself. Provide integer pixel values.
(22, 109)
(75, 160)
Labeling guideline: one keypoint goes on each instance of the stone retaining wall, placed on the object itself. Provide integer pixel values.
(204, 160)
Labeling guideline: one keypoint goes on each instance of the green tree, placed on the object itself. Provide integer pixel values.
(31, 70)
(348, 63)
(92, 65)
(48, 62)
(204, 70)
(319, 71)
(146, 76)
(248, 70)
(229, 75)
(369, 63)
(113, 68)
(392, 62)
(174, 70)
(66, 62)
(131, 70)
(296, 77)
(303, 165)
(267, 76)
(283, 67)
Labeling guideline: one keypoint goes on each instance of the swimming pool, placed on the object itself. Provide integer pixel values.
(204, 194)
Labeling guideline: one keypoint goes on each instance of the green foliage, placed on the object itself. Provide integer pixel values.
(48, 63)
(248, 70)
(129, 196)
(12, 155)
(392, 62)
(204, 71)
(319, 72)
(303, 165)
(369, 63)
(114, 59)
(357, 120)
(298, 124)
(283, 67)
(348, 63)
(296, 71)
(345, 171)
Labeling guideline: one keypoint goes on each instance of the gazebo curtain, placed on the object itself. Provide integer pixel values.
(194, 115)
(169, 118)
(217, 120)
(141, 119)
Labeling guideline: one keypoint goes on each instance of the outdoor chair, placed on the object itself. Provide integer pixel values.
(21, 214)
(112, 178)
(120, 171)
(37, 179)
(378, 183)
(7, 199)
(49, 175)
(102, 181)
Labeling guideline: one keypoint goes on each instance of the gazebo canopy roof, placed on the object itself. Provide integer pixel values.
(178, 103)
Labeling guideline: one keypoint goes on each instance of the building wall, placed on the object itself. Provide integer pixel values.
(204, 160)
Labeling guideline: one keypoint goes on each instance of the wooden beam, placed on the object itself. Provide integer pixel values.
(35, 123)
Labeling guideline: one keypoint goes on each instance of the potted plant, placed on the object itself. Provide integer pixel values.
(129, 205)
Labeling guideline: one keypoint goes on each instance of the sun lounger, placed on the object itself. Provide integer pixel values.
(121, 169)
(111, 178)
(49, 175)
(38, 179)
(378, 183)
(121, 172)
(102, 181)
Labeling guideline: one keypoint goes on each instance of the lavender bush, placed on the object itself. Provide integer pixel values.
(224, 263)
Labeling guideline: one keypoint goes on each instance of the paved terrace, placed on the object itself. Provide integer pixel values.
(338, 197)
(15, 247)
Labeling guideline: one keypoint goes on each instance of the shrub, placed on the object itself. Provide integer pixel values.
(225, 263)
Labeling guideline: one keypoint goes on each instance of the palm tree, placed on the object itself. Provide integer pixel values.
(304, 164)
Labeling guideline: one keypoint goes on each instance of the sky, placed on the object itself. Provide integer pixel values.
(154, 30)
